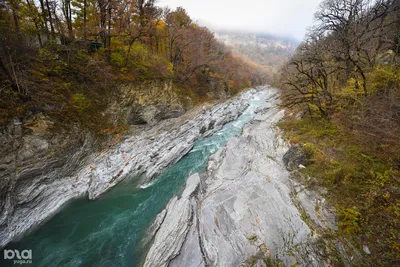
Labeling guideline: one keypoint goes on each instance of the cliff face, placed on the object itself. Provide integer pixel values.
(35, 164)
(41, 169)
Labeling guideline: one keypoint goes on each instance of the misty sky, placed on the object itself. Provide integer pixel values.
(284, 17)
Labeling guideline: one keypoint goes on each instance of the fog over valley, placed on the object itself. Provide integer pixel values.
(199, 133)
(285, 17)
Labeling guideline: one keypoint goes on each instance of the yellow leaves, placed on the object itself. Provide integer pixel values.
(80, 102)
(380, 179)
(315, 110)
(353, 89)
(382, 79)
(379, 80)
(117, 59)
(160, 26)
(349, 221)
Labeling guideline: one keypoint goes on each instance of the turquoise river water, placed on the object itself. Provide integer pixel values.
(109, 231)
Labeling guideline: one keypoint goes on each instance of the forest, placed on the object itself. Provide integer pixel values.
(341, 90)
(66, 58)
(76, 61)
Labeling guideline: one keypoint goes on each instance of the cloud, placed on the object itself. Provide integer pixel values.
(283, 17)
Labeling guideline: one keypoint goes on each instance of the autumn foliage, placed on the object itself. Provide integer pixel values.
(69, 57)
(342, 89)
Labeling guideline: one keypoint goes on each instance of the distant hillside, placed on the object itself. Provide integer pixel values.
(264, 49)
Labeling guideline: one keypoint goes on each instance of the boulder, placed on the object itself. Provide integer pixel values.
(296, 157)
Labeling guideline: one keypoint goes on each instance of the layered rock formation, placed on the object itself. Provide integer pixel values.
(245, 211)
(36, 181)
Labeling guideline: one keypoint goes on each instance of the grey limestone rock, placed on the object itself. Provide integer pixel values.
(245, 208)
(40, 172)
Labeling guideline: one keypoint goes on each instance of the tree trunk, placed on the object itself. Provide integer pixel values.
(15, 17)
(44, 18)
(69, 20)
(103, 20)
(50, 19)
(109, 33)
(84, 19)
(35, 20)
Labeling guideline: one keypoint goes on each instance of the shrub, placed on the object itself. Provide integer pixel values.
(349, 221)
(80, 103)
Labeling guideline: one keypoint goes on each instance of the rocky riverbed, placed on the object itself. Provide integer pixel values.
(34, 186)
(245, 210)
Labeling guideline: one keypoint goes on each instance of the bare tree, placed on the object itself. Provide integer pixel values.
(359, 27)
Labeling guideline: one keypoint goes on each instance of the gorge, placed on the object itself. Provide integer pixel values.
(106, 231)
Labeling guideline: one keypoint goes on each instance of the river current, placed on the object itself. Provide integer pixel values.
(109, 231)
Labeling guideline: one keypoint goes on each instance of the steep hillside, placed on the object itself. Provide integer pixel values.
(267, 50)
(341, 89)
(75, 68)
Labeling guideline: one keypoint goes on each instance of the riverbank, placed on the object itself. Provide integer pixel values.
(245, 210)
(360, 179)
(109, 231)
(143, 155)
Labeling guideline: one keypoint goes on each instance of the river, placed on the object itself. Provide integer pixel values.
(109, 231)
